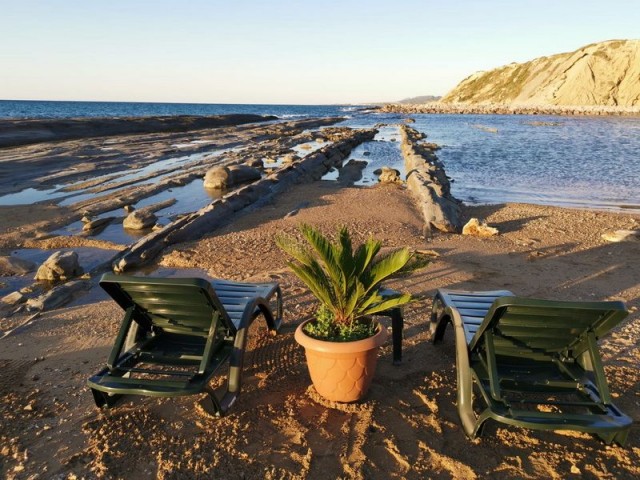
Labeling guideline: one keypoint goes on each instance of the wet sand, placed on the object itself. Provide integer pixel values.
(407, 427)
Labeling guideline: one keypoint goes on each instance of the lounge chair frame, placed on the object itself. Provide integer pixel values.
(530, 363)
(177, 333)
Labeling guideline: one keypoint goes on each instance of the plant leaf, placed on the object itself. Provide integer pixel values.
(365, 255)
(292, 247)
(328, 255)
(385, 267)
(387, 303)
(314, 277)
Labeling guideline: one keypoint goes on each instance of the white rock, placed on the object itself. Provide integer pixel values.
(622, 236)
(389, 175)
(479, 229)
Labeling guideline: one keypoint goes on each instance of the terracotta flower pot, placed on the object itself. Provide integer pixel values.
(341, 371)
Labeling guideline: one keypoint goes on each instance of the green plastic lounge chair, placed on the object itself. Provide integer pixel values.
(177, 332)
(531, 363)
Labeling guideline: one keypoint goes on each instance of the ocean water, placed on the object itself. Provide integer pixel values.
(566, 161)
(591, 162)
(584, 162)
(51, 109)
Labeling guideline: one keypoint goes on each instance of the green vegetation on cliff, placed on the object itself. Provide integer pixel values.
(606, 73)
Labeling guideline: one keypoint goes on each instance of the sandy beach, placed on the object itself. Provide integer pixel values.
(407, 427)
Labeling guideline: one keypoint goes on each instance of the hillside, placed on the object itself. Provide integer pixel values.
(606, 73)
(419, 100)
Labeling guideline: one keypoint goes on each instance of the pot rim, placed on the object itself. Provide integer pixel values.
(361, 345)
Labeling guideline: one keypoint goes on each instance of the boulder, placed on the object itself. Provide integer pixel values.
(255, 163)
(10, 266)
(389, 175)
(351, 171)
(479, 228)
(97, 223)
(140, 219)
(59, 266)
(12, 299)
(225, 177)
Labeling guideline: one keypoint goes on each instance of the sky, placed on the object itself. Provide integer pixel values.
(283, 52)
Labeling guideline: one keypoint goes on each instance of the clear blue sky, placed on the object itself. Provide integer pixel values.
(237, 51)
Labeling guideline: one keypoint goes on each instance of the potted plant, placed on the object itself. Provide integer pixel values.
(341, 343)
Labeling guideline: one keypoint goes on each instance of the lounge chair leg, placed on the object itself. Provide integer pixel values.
(618, 437)
(439, 320)
(210, 403)
(397, 325)
(278, 320)
(104, 400)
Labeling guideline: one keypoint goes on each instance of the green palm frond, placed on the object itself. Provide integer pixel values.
(346, 283)
(387, 304)
(314, 278)
(328, 255)
(385, 267)
(365, 254)
(293, 248)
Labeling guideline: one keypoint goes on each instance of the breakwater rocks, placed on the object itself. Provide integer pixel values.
(309, 168)
(26, 132)
(502, 109)
(428, 182)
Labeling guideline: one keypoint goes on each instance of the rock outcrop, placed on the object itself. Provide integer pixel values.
(145, 217)
(10, 266)
(226, 177)
(59, 266)
(428, 183)
(139, 220)
(351, 171)
(309, 168)
(25, 132)
(600, 74)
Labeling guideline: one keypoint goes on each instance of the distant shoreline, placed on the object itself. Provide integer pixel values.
(501, 109)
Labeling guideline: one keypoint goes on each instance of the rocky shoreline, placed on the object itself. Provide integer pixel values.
(127, 181)
(15, 132)
(504, 109)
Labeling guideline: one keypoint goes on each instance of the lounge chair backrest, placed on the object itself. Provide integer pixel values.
(176, 305)
(547, 326)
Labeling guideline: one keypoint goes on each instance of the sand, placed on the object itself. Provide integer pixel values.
(407, 426)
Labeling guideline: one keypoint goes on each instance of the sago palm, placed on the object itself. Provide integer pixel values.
(346, 282)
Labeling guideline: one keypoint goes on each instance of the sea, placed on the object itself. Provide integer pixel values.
(583, 162)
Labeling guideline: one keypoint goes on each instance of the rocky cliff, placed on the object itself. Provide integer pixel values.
(606, 73)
